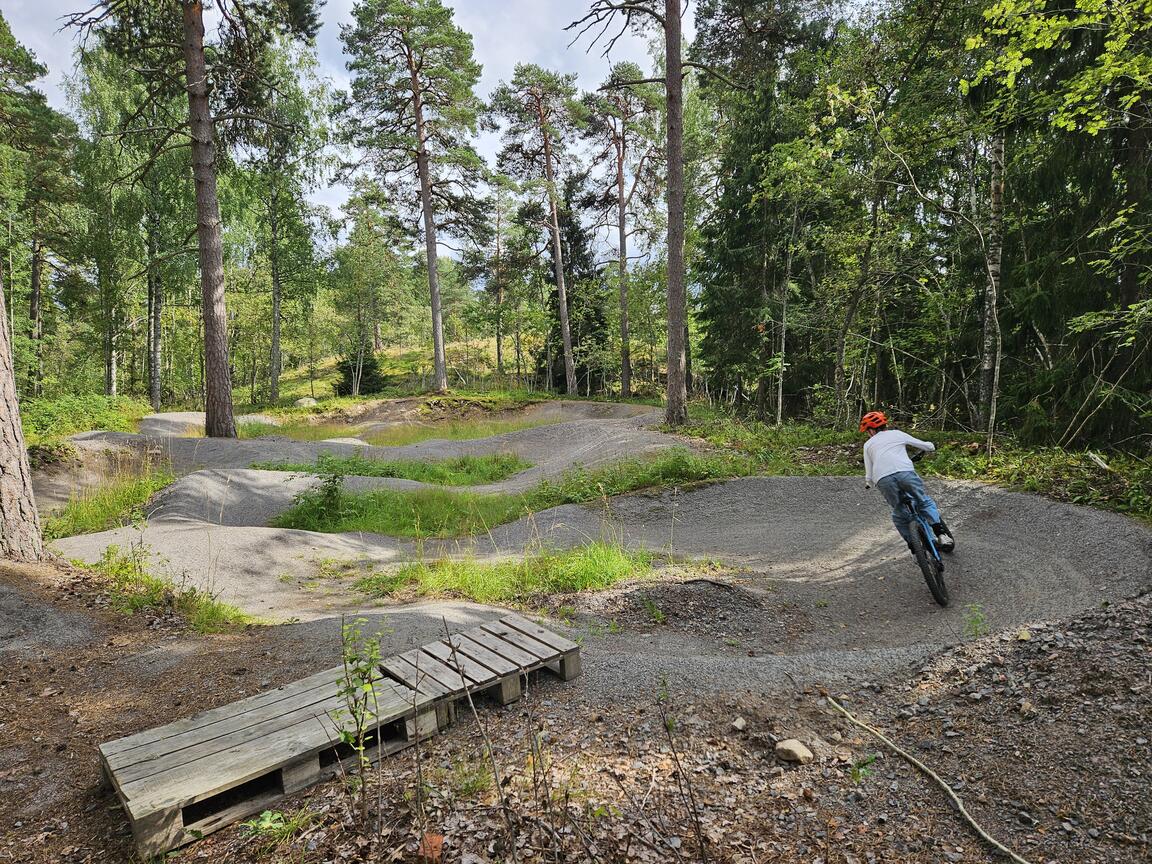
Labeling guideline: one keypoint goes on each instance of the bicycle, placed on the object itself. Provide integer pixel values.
(924, 547)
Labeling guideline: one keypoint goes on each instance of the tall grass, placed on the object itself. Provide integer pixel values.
(461, 471)
(592, 567)
(132, 588)
(300, 431)
(118, 502)
(420, 513)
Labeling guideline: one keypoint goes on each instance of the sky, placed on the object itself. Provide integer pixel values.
(504, 33)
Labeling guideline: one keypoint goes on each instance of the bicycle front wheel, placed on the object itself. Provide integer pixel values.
(932, 569)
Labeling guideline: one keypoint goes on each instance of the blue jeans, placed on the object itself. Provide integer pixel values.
(891, 488)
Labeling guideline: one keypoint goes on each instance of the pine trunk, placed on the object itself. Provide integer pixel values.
(19, 522)
(439, 359)
(218, 419)
(36, 315)
(622, 242)
(558, 259)
(155, 318)
(990, 342)
(676, 407)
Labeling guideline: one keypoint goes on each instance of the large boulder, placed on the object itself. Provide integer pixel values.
(304, 402)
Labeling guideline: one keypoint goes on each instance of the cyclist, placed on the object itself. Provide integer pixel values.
(888, 468)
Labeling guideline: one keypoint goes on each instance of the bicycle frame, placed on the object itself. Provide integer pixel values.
(929, 534)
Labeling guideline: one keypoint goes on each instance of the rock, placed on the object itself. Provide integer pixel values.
(304, 402)
(791, 750)
(738, 724)
(1023, 635)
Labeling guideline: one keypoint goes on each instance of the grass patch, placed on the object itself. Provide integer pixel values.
(46, 420)
(452, 430)
(461, 471)
(419, 513)
(112, 505)
(588, 568)
(299, 431)
(133, 589)
(434, 513)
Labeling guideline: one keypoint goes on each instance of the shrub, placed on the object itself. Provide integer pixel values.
(371, 380)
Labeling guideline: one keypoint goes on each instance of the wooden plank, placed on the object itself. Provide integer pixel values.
(450, 678)
(224, 712)
(476, 651)
(420, 680)
(392, 703)
(477, 674)
(523, 659)
(513, 636)
(189, 782)
(241, 720)
(540, 634)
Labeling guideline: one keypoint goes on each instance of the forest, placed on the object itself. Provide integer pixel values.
(935, 207)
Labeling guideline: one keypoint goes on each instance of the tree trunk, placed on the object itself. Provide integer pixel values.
(621, 218)
(218, 419)
(990, 341)
(277, 297)
(676, 407)
(19, 522)
(840, 387)
(36, 315)
(499, 278)
(570, 385)
(155, 317)
(439, 358)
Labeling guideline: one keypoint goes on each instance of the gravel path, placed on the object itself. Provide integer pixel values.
(827, 589)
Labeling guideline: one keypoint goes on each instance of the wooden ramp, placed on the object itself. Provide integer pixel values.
(189, 778)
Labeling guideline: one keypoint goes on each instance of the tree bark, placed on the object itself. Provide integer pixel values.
(558, 257)
(498, 273)
(676, 406)
(840, 387)
(274, 266)
(155, 317)
(36, 314)
(19, 522)
(439, 359)
(990, 341)
(218, 419)
(622, 229)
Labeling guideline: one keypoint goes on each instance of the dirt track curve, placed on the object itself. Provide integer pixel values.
(816, 583)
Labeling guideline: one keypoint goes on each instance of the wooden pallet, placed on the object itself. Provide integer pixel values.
(187, 779)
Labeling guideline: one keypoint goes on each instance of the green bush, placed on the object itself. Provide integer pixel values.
(371, 381)
(48, 419)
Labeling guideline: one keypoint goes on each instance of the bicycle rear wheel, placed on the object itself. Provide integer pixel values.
(932, 569)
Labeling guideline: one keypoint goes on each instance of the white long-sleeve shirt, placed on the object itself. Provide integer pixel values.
(885, 453)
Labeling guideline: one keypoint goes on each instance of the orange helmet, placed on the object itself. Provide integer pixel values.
(873, 420)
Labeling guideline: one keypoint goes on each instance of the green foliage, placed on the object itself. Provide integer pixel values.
(975, 621)
(49, 419)
(359, 376)
(586, 568)
(133, 589)
(461, 471)
(861, 768)
(440, 513)
(114, 503)
(361, 656)
(421, 513)
(273, 828)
